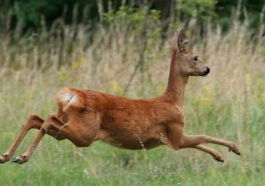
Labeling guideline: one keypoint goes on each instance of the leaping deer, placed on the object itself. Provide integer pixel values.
(85, 116)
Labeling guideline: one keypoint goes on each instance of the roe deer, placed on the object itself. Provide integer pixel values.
(85, 116)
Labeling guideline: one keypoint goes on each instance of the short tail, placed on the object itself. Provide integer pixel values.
(69, 97)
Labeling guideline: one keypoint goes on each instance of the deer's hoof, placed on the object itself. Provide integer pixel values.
(219, 159)
(232, 147)
(235, 151)
(19, 160)
(4, 158)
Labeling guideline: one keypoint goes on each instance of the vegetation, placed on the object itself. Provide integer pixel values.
(30, 13)
(127, 53)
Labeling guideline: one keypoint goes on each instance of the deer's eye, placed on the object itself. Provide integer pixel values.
(196, 58)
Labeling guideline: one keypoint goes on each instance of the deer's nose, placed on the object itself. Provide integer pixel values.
(207, 71)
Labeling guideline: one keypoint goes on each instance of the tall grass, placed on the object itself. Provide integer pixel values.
(131, 59)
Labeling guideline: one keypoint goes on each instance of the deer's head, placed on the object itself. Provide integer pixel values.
(188, 63)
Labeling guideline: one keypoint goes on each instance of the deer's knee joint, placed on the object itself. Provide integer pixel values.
(33, 116)
(28, 124)
(176, 145)
(46, 124)
(205, 139)
(44, 129)
(182, 142)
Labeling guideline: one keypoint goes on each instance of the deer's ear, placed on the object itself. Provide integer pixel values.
(178, 43)
(182, 41)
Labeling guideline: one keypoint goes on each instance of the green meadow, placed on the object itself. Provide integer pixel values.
(119, 59)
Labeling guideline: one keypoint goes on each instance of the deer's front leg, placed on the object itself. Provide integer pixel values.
(34, 121)
(194, 140)
(214, 153)
(178, 140)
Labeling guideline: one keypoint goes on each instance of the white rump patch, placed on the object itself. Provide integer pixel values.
(67, 98)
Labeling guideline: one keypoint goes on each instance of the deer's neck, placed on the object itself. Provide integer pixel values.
(176, 84)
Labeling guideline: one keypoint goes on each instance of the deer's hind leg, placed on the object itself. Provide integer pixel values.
(79, 123)
(82, 132)
(51, 123)
(34, 122)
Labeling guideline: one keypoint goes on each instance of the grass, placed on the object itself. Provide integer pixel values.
(229, 104)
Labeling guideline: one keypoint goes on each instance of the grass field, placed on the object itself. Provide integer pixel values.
(229, 104)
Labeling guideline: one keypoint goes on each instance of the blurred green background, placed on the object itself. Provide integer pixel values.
(122, 48)
(30, 12)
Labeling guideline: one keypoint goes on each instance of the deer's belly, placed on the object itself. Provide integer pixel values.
(133, 144)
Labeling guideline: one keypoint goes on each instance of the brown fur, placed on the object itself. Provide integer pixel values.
(86, 116)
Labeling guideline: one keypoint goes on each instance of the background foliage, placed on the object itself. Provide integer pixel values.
(29, 13)
(122, 48)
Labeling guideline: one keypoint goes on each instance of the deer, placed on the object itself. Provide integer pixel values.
(86, 116)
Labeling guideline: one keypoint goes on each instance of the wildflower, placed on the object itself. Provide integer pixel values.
(116, 87)
(78, 63)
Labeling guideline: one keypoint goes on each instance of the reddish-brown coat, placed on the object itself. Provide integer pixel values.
(126, 123)
(86, 116)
